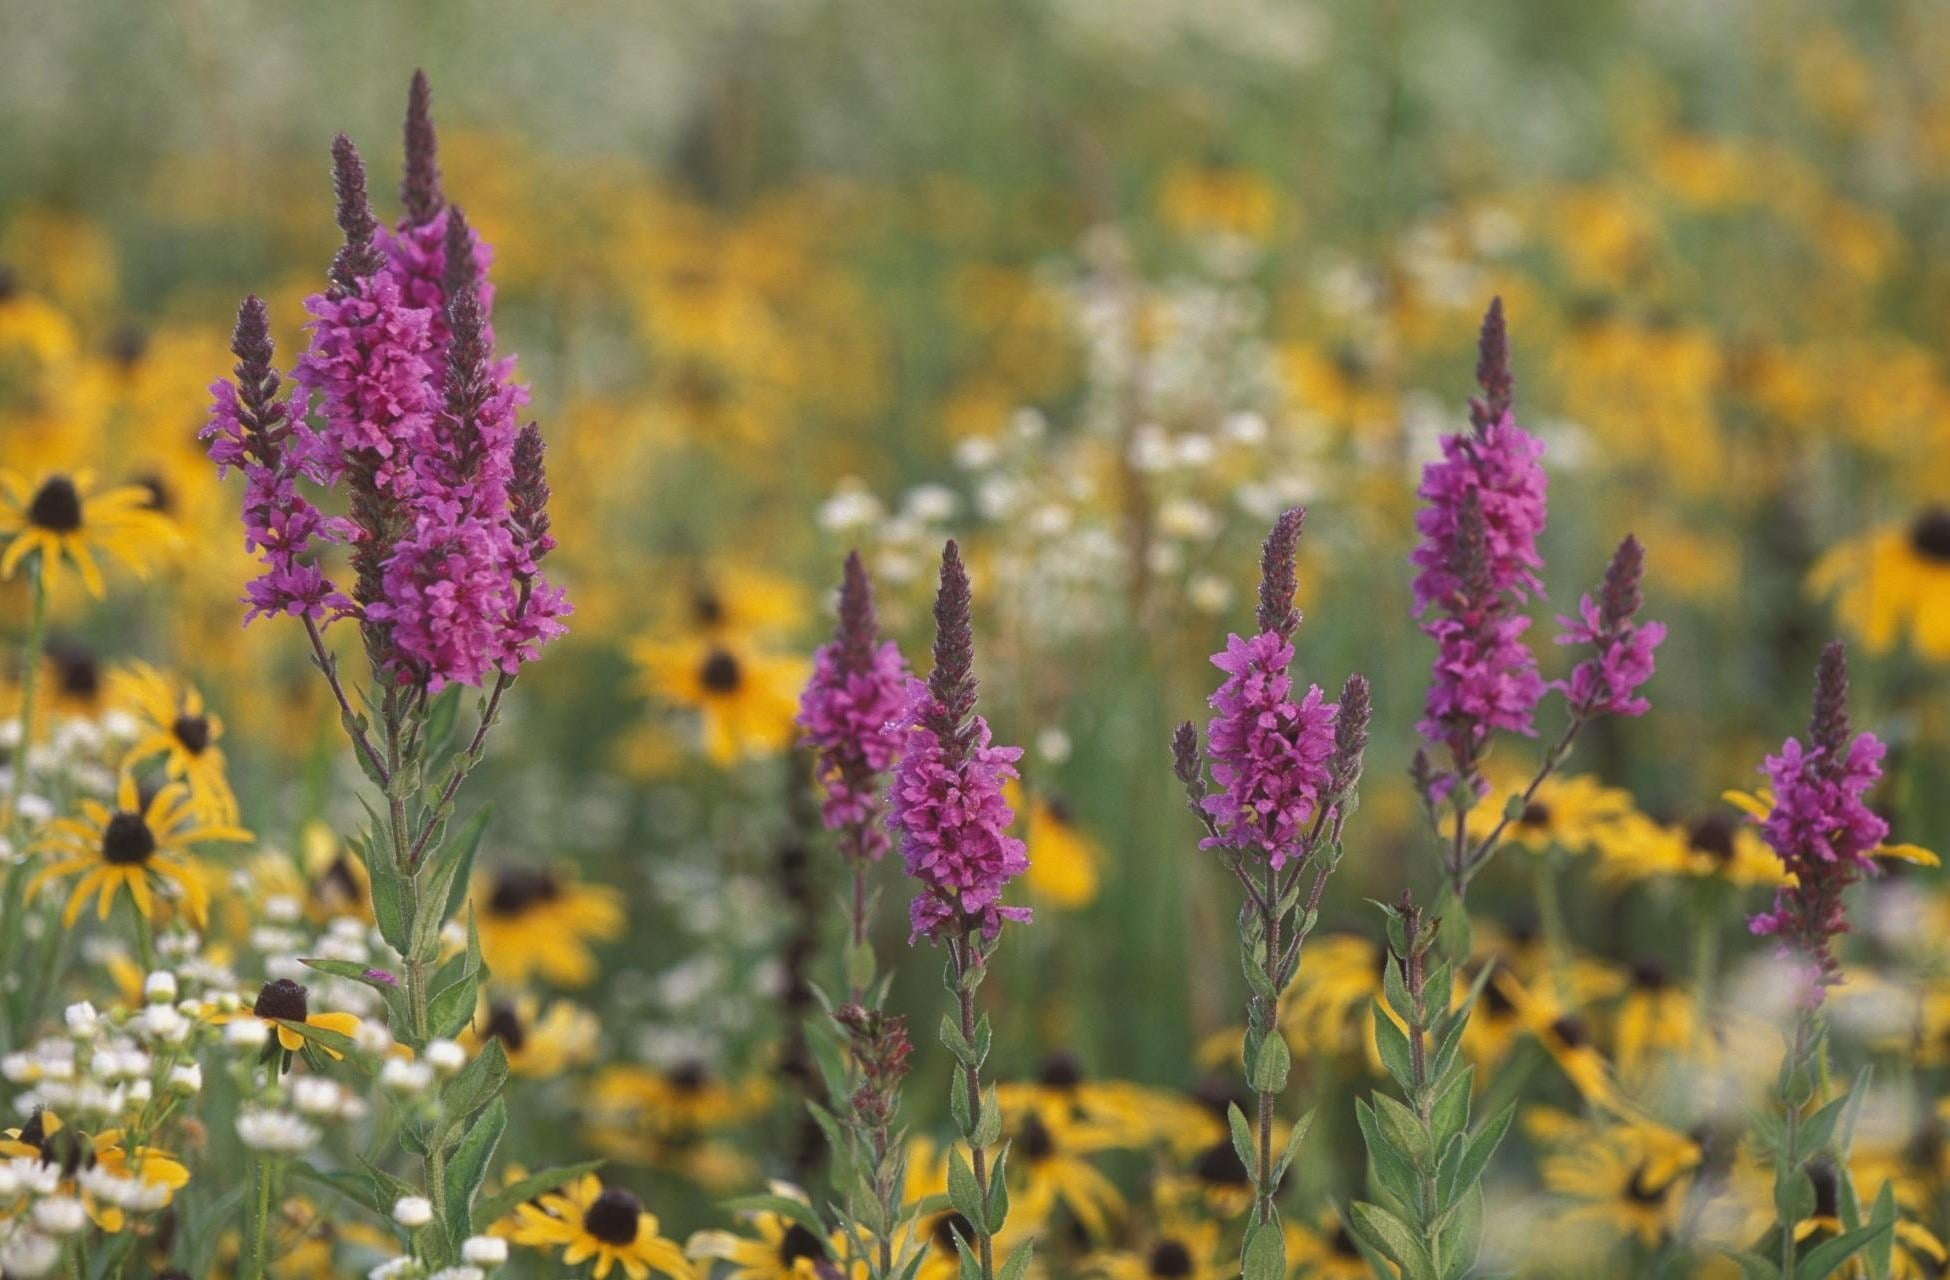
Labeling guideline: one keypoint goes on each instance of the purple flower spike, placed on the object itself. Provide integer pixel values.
(858, 687)
(1607, 682)
(1478, 563)
(1821, 829)
(946, 802)
(269, 441)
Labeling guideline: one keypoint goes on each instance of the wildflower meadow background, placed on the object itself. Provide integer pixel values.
(972, 641)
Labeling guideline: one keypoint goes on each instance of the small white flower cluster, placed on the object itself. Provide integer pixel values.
(106, 1070)
(479, 1254)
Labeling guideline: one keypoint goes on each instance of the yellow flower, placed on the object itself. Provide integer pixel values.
(1657, 1016)
(175, 725)
(62, 518)
(1049, 1163)
(542, 922)
(539, 1044)
(1712, 846)
(673, 1103)
(44, 1138)
(1621, 1179)
(1573, 812)
(1063, 858)
(587, 1220)
(1565, 1035)
(778, 1248)
(1215, 199)
(139, 847)
(1177, 1248)
(1121, 1113)
(746, 701)
(1893, 583)
(281, 1002)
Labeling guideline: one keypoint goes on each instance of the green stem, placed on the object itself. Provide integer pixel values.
(1264, 1207)
(972, 1076)
(261, 1221)
(1550, 915)
(12, 904)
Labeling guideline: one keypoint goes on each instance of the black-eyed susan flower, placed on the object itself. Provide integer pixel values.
(1709, 846)
(173, 723)
(540, 921)
(540, 1043)
(1123, 1114)
(1619, 1180)
(63, 520)
(677, 1102)
(1566, 1034)
(1050, 1163)
(741, 601)
(606, 1226)
(138, 847)
(1219, 199)
(1063, 858)
(281, 1003)
(776, 1247)
(1657, 1016)
(1573, 812)
(745, 701)
(1176, 1248)
(108, 1179)
(1893, 583)
(1917, 1253)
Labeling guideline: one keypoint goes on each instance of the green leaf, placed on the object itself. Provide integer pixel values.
(358, 1188)
(1242, 1139)
(1270, 1065)
(467, 1168)
(1828, 1256)
(957, 1042)
(1483, 1145)
(964, 1193)
(1462, 1235)
(1404, 1130)
(1392, 1238)
(1396, 1054)
(475, 1085)
(1018, 1262)
(388, 897)
(502, 1203)
(442, 880)
(1293, 1141)
(988, 1121)
(860, 965)
(1878, 1253)
(1390, 1175)
(1450, 1112)
(1754, 1266)
(1265, 1255)
(998, 1203)
(958, 1105)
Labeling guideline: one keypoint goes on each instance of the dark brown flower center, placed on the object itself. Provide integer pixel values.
(504, 1024)
(282, 998)
(128, 344)
(1035, 1140)
(1170, 1258)
(56, 506)
(947, 1227)
(1571, 1031)
(516, 889)
(76, 671)
(1638, 1192)
(800, 1243)
(1712, 835)
(1061, 1070)
(160, 498)
(707, 606)
(337, 882)
(127, 840)
(1536, 815)
(614, 1216)
(721, 672)
(688, 1077)
(1930, 535)
(1219, 1166)
(193, 732)
(1828, 1187)
(1343, 1244)
(1649, 975)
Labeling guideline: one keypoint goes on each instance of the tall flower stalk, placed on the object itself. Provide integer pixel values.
(1815, 817)
(1285, 772)
(859, 686)
(1477, 569)
(446, 523)
(947, 810)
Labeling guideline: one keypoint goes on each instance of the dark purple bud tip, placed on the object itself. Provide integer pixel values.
(357, 258)
(1828, 726)
(1620, 597)
(952, 682)
(858, 629)
(419, 187)
(1278, 579)
(1350, 733)
(1185, 761)
(462, 273)
(1492, 369)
